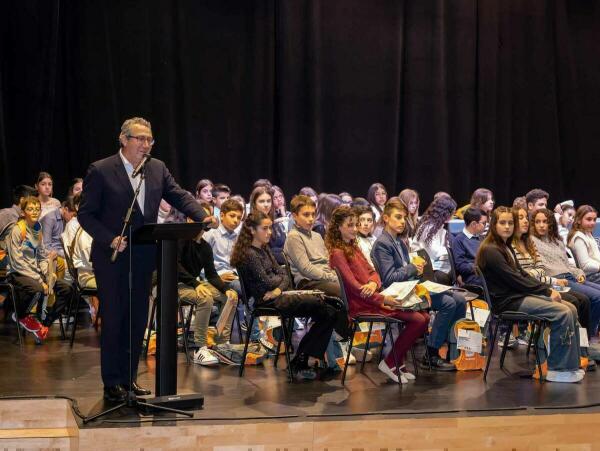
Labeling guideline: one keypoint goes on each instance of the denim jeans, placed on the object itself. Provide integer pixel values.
(592, 291)
(564, 330)
(449, 307)
(334, 352)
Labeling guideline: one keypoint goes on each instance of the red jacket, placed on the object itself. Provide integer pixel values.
(357, 272)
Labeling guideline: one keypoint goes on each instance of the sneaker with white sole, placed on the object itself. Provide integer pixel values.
(389, 373)
(406, 374)
(205, 357)
(568, 377)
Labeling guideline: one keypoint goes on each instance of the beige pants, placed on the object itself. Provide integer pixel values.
(204, 306)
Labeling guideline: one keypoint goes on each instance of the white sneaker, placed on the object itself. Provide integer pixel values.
(406, 374)
(352, 360)
(389, 373)
(359, 352)
(204, 356)
(564, 376)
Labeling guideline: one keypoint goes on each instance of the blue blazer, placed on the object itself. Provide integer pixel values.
(107, 194)
(392, 264)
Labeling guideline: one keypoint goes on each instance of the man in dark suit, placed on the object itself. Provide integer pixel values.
(107, 193)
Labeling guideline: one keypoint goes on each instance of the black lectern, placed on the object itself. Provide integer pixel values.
(166, 236)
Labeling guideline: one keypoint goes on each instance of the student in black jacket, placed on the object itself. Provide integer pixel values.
(193, 257)
(513, 289)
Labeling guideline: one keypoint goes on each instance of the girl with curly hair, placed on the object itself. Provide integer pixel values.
(267, 282)
(433, 237)
(362, 284)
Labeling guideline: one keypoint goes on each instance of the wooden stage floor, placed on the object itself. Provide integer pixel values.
(263, 395)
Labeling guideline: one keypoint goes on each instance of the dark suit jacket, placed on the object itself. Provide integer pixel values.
(390, 263)
(107, 194)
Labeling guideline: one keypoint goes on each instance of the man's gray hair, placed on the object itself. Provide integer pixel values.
(126, 127)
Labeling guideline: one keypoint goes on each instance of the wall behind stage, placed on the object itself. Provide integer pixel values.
(436, 95)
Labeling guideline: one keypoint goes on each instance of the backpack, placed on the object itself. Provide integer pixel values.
(463, 359)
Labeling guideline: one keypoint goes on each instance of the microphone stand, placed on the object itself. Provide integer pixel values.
(131, 399)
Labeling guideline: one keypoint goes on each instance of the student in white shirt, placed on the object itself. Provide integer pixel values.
(433, 237)
(582, 242)
(364, 237)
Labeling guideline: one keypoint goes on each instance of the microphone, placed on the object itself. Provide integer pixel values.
(141, 165)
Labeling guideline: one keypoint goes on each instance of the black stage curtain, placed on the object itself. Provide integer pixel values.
(337, 94)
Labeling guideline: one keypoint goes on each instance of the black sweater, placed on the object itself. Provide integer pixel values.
(192, 258)
(262, 273)
(507, 284)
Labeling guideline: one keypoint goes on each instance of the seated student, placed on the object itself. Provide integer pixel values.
(565, 220)
(76, 187)
(53, 225)
(306, 252)
(327, 203)
(193, 257)
(377, 197)
(520, 202)
(481, 198)
(310, 192)
(553, 257)
(282, 216)
(362, 284)
(582, 243)
(346, 198)
(536, 199)
(28, 271)
(365, 227)
(432, 236)
(529, 260)
(9, 216)
(466, 244)
(44, 186)
(261, 199)
(204, 190)
(223, 238)
(266, 281)
(220, 194)
(360, 202)
(410, 199)
(511, 288)
(79, 246)
(392, 260)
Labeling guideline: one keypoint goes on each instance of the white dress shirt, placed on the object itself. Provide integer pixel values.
(134, 182)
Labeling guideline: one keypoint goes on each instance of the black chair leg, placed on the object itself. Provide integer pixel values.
(491, 351)
(536, 352)
(14, 301)
(184, 334)
(278, 349)
(248, 331)
(531, 335)
(151, 319)
(364, 359)
(385, 332)
(287, 338)
(396, 363)
(505, 347)
(77, 301)
(414, 360)
(354, 325)
(472, 310)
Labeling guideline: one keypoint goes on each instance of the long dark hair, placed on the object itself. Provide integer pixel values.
(552, 235)
(524, 239)
(325, 207)
(371, 195)
(258, 191)
(333, 236)
(493, 239)
(581, 212)
(244, 240)
(439, 211)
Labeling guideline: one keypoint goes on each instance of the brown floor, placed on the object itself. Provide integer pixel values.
(264, 393)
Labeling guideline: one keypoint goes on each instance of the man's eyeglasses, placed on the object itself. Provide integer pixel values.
(144, 139)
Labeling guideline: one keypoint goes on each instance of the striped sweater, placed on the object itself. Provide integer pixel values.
(533, 267)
